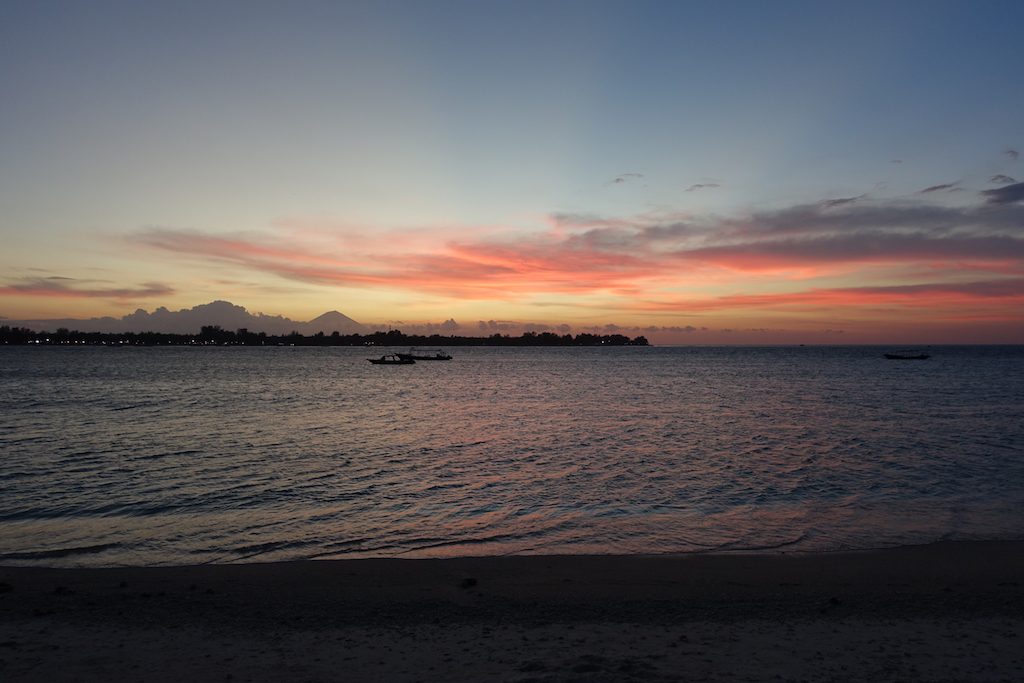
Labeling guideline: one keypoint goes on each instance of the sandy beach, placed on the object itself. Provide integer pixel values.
(947, 611)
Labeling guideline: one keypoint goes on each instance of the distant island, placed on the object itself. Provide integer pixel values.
(214, 335)
(187, 320)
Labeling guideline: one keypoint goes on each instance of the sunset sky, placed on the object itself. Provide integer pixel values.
(773, 172)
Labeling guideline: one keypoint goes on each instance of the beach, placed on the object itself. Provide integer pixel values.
(943, 611)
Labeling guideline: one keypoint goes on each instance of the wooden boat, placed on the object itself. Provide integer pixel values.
(391, 359)
(425, 354)
(907, 355)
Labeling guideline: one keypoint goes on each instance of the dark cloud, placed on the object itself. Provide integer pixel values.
(702, 186)
(497, 325)
(893, 216)
(61, 287)
(626, 177)
(688, 329)
(1010, 194)
(882, 231)
(896, 161)
(1012, 153)
(864, 246)
(939, 188)
(889, 231)
(1002, 179)
(841, 201)
(447, 328)
(1011, 287)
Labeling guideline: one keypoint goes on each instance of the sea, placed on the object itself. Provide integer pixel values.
(192, 455)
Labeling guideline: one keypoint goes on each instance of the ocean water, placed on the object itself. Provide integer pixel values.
(147, 456)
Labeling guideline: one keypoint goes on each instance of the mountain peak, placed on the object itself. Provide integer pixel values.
(332, 316)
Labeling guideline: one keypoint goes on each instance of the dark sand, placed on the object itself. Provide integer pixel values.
(948, 611)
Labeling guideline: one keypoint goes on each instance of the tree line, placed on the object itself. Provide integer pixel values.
(214, 335)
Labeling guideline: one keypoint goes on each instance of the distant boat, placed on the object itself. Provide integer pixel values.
(424, 354)
(907, 355)
(391, 359)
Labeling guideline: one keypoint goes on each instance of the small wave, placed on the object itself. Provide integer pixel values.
(256, 549)
(133, 406)
(345, 547)
(114, 509)
(496, 538)
(60, 552)
(735, 548)
(10, 476)
(169, 454)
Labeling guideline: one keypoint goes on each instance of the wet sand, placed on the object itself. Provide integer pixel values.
(948, 611)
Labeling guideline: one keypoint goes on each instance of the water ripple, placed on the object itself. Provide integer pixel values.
(179, 455)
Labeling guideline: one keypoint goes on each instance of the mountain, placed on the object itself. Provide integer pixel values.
(189, 320)
(330, 321)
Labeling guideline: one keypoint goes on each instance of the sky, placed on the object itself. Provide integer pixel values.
(710, 172)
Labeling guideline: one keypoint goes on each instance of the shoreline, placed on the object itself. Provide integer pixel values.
(555, 614)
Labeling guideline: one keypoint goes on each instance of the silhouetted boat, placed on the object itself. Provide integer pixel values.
(907, 355)
(425, 354)
(391, 359)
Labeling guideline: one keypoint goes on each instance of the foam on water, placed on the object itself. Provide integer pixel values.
(187, 455)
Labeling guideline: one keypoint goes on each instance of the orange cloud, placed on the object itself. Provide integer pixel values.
(589, 263)
(641, 258)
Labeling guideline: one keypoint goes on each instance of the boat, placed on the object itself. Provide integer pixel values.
(391, 359)
(425, 354)
(907, 355)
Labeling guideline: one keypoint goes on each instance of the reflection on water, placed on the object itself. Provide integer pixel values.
(186, 455)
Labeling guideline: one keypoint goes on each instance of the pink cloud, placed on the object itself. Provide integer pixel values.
(934, 295)
(584, 254)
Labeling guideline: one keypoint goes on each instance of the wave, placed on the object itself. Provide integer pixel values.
(736, 548)
(60, 552)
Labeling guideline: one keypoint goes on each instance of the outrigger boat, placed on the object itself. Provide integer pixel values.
(391, 359)
(907, 355)
(425, 354)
